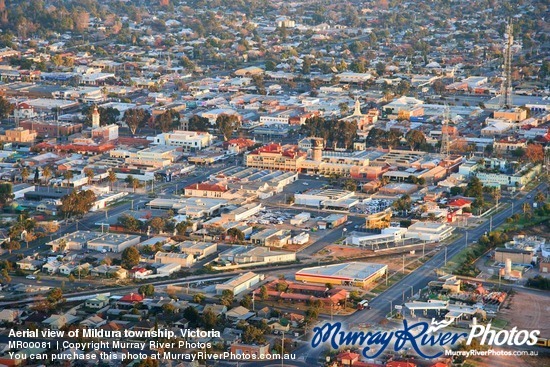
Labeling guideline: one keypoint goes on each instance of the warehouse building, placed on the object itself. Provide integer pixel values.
(240, 283)
(359, 274)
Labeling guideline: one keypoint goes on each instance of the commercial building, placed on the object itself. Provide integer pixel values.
(46, 129)
(239, 283)
(325, 198)
(184, 260)
(242, 212)
(113, 242)
(332, 221)
(357, 274)
(379, 220)
(190, 141)
(516, 255)
(19, 135)
(275, 156)
(271, 237)
(199, 250)
(429, 231)
(73, 241)
(252, 256)
(192, 207)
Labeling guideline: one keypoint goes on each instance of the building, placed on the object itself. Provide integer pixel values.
(276, 156)
(105, 133)
(46, 129)
(198, 250)
(324, 197)
(379, 220)
(19, 135)
(357, 274)
(429, 231)
(113, 242)
(190, 141)
(185, 260)
(523, 256)
(250, 256)
(192, 207)
(73, 241)
(332, 221)
(242, 212)
(209, 190)
(251, 350)
(240, 283)
(271, 237)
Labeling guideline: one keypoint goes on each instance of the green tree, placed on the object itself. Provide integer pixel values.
(209, 319)
(227, 124)
(167, 121)
(68, 175)
(25, 174)
(264, 295)
(129, 258)
(6, 108)
(6, 276)
(199, 298)
(47, 174)
(147, 290)
(6, 193)
(540, 198)
(129, 222)
(198, 123)
(112, 179)
(246, 301)
(236, 235)
(77, 203)
(89, 174)
(136, 118)
(54, 296)
(157, 224)
(192, 315)
(415, 139)
(227, 298)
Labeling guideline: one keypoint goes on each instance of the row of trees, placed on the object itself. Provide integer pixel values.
(336, 133)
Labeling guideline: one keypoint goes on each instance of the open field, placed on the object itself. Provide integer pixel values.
(528, 310)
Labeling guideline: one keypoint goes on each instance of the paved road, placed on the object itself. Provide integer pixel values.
(381, 305)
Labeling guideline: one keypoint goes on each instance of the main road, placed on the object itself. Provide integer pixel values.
(418, 279)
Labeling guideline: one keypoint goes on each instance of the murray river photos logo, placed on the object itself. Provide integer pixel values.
(419, 336)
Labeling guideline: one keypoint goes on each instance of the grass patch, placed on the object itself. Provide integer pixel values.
(462, 264)
(499, 323)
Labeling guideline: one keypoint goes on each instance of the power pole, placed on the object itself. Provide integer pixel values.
(445, 141)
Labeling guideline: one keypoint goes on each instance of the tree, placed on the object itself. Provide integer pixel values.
(198, 123)
(11, 245)
(350, 185)
(181, 227)
(264, 295)
(199, 298)
(25, 174)
(47, 174)
(227, 124)
(167, 121)
(236, 234)
(77, 203)
(253, 335)
(169, 308)
(496, 194)
(6, 275)
(526, 208)
(475, 189)
(112, 179)
(306, 66)
(135, 118)
(54, 296)
(147, 290)
(192, 315)
(129, 222)
(157, 224)
(534, 153)
(227, 298)
(209, 319)
(68, 175)
(415, 139)
(246, 301)
(6, 108)
(132, 182)
(6, 193)
(540, 198)
(129, 258)
(89, 174)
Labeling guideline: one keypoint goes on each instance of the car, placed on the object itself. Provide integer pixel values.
(32, 277)
(305, 183)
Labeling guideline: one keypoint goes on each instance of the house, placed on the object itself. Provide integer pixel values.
(239, 313)
(140, 273)
(57, 322)
(253, 350)
(130, 299)
(65, 269)
(93, 322)
(29, 263)
(107, 271)
(97, 302)
(51, 267)
(401, 364)
(9, 315)
(348, 358)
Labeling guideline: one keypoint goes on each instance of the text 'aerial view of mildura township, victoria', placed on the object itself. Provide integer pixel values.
(271, 183)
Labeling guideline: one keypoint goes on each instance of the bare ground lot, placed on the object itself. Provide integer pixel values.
(510, 361)
(529, 310)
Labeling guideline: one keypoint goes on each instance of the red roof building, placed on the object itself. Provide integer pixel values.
(459, 203)
(400, 364)
(131, 298)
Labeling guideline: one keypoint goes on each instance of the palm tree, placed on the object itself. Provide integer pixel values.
(112, 179)
(25, 174)
(68, 175)
(90, 174)
(496, 194)
(47, 174)
(526, 208)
